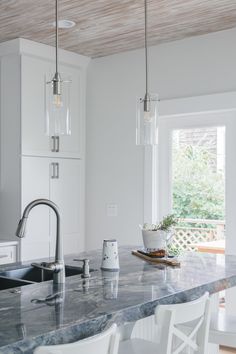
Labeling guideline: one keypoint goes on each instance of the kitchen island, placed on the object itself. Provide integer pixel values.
(84, 307)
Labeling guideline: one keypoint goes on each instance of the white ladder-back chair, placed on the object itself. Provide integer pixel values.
(223, 329)
(171, 338)
(105, 343)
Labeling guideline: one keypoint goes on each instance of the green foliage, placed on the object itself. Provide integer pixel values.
(198, 189)
(165, 225)
(173, 250)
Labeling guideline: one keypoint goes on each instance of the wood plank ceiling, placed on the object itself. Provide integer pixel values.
(105, 27)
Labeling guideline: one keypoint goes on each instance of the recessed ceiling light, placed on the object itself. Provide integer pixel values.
(65, 24)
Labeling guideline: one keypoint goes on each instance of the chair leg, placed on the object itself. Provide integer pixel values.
(214, 348)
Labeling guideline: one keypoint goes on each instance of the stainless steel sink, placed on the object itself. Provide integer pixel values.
(30, 275)
(33, 274)
(7, 283)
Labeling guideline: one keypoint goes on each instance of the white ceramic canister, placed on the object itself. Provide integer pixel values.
(110, 258)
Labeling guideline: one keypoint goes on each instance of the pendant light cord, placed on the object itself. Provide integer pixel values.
(146, 49)
(56, 36)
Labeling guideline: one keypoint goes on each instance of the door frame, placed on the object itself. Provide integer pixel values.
(157, 197)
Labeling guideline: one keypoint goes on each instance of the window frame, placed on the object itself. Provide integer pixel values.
(176, 114)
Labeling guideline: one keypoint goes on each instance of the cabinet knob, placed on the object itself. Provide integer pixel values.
(53, 144)
(57, 169)
(54, 170)
(57, 147)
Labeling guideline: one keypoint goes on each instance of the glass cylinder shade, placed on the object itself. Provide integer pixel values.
(147, 121)
(57, 108)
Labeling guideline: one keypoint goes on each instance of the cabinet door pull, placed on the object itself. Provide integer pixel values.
(53, 175)
(57, 170)
(53, 144)
(57, 148)
(3, 255)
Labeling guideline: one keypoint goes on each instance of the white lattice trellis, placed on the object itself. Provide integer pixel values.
(185, 237)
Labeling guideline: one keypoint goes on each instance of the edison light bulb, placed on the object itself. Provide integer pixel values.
(147, 117)
(57, 101)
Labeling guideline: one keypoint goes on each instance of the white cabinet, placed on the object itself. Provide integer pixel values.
(59, 180)
(72, 145)
(34, 140)
(35, 184)
(8, 252)
(66, 191)
(29, 169)
(34, 73)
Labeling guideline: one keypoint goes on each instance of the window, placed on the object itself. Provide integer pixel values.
(198, 186)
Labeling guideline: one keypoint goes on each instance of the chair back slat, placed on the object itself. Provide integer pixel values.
(186, 312)
(104, 343)
(174, 338)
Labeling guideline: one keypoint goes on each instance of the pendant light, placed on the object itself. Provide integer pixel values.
(58, 120)
(146, 120)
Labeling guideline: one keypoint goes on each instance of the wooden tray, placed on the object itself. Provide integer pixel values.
(169, 261)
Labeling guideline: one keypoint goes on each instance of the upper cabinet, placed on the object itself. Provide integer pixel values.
(36, 64)
(34, 72)
(34, 140)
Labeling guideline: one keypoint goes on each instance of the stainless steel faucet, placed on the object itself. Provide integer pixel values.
(58, 266)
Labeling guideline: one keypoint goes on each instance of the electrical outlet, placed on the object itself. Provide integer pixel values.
(112, 209)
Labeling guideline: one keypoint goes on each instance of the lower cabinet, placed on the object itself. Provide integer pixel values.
(59, 180)
(8, 252)
(66, 192)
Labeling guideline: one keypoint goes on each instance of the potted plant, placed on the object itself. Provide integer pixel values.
(156, 236)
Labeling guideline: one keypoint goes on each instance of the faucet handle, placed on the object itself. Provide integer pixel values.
(51, 267)
(43, 266)
(85, 261)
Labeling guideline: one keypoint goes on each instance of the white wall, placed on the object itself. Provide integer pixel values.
(191, 67)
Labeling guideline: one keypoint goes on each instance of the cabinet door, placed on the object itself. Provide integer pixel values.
(65, 191)
(7, 254)
(35, 142)
(72, 145)
(35, 184)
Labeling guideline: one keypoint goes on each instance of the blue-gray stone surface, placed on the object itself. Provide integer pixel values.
(86, 307)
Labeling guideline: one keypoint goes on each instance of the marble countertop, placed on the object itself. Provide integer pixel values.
(86, 307)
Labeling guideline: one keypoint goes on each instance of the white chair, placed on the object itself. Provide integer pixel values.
(171, 339)
(223, 329)
(105, 343)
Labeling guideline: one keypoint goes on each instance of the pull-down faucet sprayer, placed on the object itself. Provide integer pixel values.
(58, 266)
